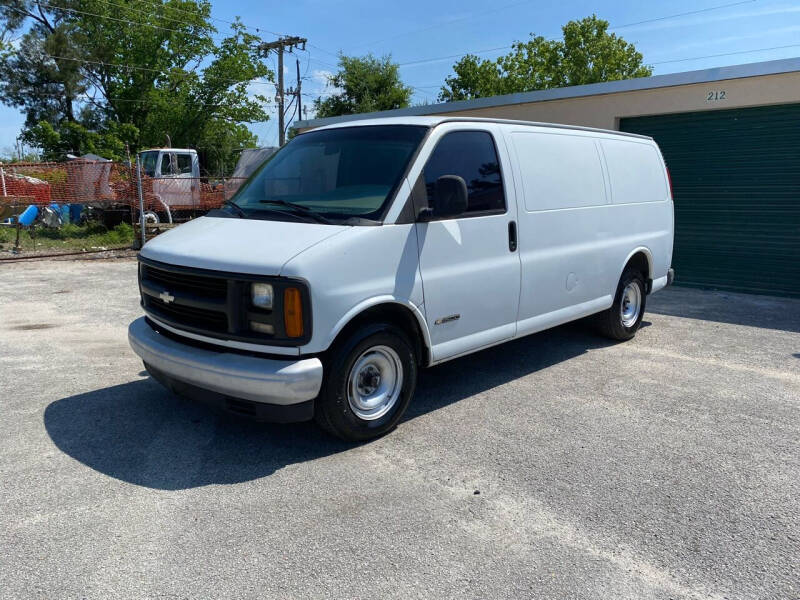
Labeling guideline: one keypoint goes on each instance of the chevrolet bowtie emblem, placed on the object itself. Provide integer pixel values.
(166, 297)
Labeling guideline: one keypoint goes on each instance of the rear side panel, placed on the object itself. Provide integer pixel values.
(582, 218)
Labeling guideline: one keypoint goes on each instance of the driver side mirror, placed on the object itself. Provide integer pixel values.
(450, 199)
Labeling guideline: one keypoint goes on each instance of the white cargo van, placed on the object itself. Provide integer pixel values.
(361, 252)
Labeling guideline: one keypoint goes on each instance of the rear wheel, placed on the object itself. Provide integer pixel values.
(623, 319)
(370, 377)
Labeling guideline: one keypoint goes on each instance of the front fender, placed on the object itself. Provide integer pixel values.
(377, 301)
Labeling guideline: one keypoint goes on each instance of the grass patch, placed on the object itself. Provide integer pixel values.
(91, 236)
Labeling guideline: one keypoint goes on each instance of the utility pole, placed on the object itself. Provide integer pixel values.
(281, 135)
(299, 96)
(285, 43)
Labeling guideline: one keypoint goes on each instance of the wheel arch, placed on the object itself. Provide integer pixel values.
(402, 313)
(643, 258)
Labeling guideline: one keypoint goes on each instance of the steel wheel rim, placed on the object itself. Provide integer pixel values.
(374, 382)
(631, 304)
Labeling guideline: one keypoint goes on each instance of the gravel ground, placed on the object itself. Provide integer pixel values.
(556, 466)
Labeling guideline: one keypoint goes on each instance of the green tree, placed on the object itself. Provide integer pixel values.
(364, 84)
(588, 53)
(93, 75)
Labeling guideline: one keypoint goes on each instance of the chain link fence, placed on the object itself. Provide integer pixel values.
(104, 194)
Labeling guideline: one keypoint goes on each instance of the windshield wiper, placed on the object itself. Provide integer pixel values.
(360, 221)
(239, 210)
(299, 208)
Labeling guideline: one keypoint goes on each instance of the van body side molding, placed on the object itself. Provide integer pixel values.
(563, 315)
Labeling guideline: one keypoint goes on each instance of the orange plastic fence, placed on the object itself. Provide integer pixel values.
(111, 185)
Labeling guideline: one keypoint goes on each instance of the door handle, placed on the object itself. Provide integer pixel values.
(512, 236)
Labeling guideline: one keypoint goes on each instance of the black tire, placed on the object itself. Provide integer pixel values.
(610, 322)
(333, 411)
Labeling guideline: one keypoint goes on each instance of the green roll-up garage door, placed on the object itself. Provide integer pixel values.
(736, 184)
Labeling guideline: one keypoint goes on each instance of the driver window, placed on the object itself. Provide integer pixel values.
(472, 156)
(167, 162)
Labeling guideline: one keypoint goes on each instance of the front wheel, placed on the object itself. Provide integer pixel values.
(622, 320)
(370, 377)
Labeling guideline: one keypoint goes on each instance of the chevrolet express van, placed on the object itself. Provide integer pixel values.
(363, 251)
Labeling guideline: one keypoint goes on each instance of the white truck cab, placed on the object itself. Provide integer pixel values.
(365, 250)
(175, 174)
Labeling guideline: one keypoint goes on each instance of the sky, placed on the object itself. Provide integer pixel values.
(426, 37)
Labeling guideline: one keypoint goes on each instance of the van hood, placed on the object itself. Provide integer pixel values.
(237, 245)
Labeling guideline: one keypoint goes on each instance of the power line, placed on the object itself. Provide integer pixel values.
(664, 62)
(114, 99)
(438, 26)
(254, 81)
(83, 12)
(684, 14)
(129, 22)
(335, 54)
(308, 63)
(183, 10)
(153, 14)
(611, 27)
(256, 28)
(322, 62)
(676, 60)
(513, 4)
(438, 58)
(418, 88)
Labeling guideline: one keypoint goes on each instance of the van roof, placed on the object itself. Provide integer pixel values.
(168, 149)
(433, 121)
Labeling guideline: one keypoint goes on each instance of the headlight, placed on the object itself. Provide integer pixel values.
(261, 295)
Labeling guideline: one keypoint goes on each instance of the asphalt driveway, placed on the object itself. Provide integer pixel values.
(556, 466)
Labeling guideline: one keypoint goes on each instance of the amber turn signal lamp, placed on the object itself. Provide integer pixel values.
(293, 312)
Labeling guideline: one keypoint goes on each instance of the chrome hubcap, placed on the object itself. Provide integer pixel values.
(374, 382)
(631, 304)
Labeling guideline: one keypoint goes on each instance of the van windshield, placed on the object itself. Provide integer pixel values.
(338, 174)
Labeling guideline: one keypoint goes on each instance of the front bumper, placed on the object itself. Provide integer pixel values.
(281, 385)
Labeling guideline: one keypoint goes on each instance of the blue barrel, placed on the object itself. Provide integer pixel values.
(28, 216)
(63, 212)
(75, 211)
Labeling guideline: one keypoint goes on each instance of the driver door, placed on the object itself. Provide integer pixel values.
(469, 263)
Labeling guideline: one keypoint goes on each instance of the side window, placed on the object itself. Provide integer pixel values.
(184, 163)
(472, 156)
(166, 164)
(148, 162)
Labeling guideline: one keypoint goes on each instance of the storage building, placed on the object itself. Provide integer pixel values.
(731, 140)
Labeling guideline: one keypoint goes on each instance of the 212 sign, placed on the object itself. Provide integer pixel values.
(716, 96)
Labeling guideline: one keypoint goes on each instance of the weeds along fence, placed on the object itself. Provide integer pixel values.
(105, 192)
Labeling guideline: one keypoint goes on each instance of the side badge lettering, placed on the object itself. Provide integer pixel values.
(447, 319)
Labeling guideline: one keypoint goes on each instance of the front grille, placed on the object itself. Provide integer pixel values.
(214, 287)
(217, 304)
(189, 316)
